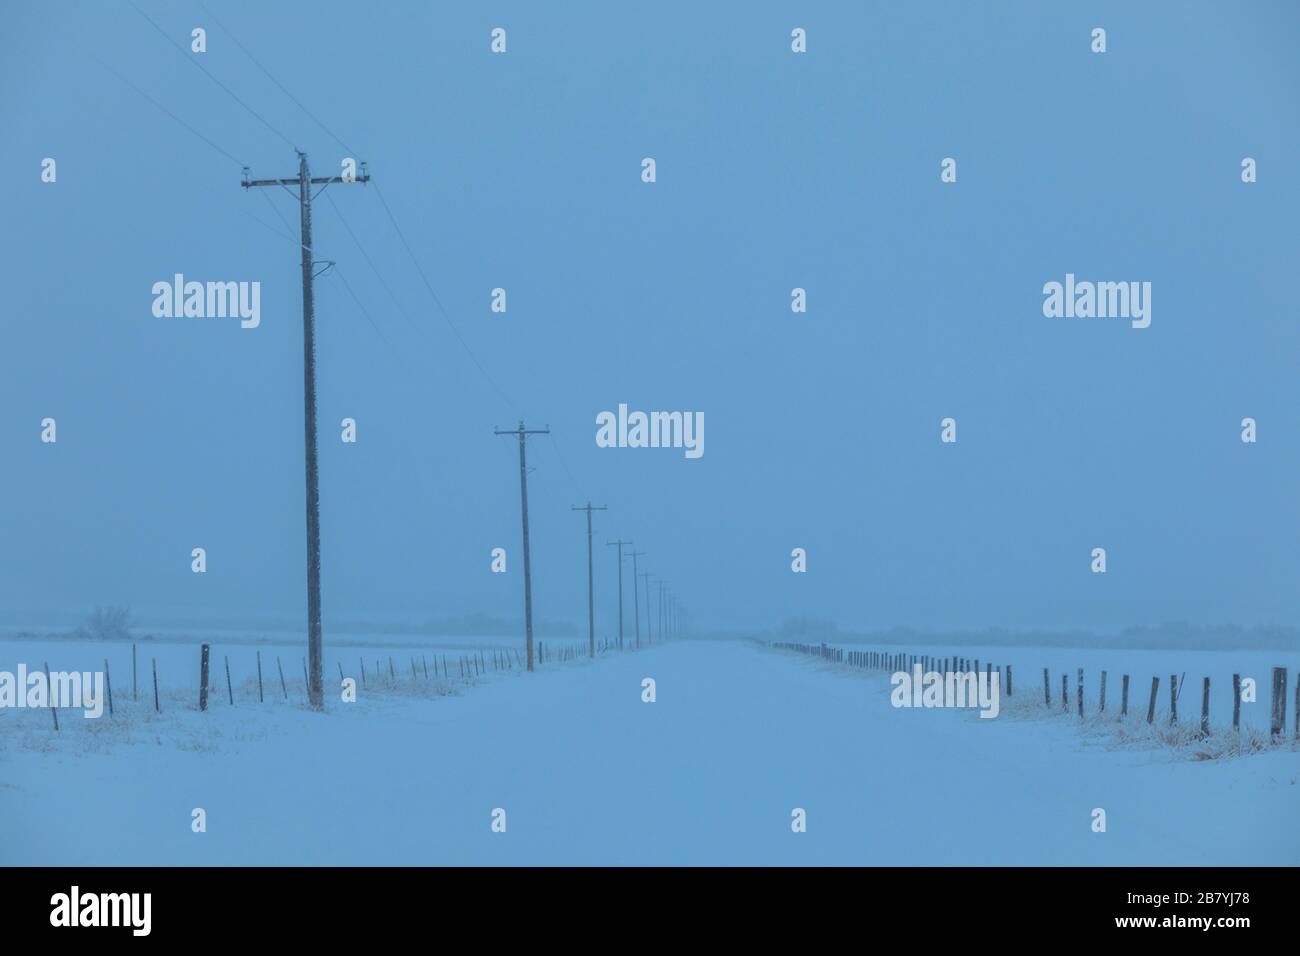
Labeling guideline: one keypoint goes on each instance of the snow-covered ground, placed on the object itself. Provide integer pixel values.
(739, 737)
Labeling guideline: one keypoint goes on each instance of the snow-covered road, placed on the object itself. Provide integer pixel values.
(587, 773)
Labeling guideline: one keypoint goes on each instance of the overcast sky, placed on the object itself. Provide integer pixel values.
(775, 170)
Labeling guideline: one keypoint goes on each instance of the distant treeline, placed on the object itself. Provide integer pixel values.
(1175, 634)
(102, 624)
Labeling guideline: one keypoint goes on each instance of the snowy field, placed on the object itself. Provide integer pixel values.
(587, 773)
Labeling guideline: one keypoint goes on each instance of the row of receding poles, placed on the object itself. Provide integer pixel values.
(668, 613)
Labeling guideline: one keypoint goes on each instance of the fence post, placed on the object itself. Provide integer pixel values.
(1236, 702)
(1123, 704)
(1080, 693)
(1151, 708)
(108, 684)
(1279, 701)
(363, 672)
(230, 690)
(1008, 680)
(1205, 708)
(1297, 704)
(1047, 689)
(1173, 698)
(280, 667)
(1065, 692)
(156, 707)
(261, 698)
(49, 690)
(203, 676)
(1101, 703)
(134, 694)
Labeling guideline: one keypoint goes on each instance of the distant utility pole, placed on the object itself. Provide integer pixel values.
(649, 625)
(522, 433)
(661, 610)
(619, 543)
(591, 600)
(636, 596)
(304, 182)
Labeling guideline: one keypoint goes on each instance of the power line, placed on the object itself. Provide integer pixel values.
(231, 93)
(280, 85)
(375, 269)
(169, 112)
(451, 325)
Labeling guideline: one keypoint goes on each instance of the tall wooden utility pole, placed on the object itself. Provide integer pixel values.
(636, 596)
(619, 544)
(591, 600)
(304, 182)
(523, 433)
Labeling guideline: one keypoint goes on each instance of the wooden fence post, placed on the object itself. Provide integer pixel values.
(261, 698)
(1065, 692)
(341, 677)
(1279, 701)
(1236, 702)
(108, 684)
(283, 686)
(1047, 689)
(156, 706)
(363, 672)
(1151, 708)
(230, 688)
(1080, 693)
(1173, 698)
(203, 676)
(1205, 708)
(49, 690)
(1008, 680)
(1123, 704)
(1101, 703)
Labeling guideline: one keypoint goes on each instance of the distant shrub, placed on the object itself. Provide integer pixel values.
(107, 624)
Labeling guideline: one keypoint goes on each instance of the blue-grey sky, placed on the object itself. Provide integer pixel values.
(775, 170)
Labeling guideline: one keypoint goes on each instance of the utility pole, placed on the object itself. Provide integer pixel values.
(591, 600)
(661, 610)
(523, 433)
(649, 625)
(619, 543)
(636, 596)
(304, 182)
